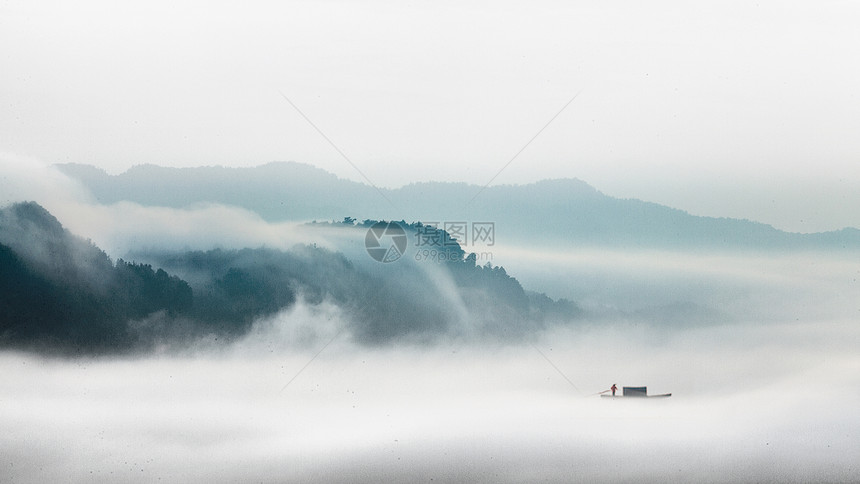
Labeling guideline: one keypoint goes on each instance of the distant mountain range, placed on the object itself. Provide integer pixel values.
(552, 212)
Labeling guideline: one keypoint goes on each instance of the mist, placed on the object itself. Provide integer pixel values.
(123, 227)
(172, 323)
(747, 405)
(761, 286)
(766, 394)
(758, 349)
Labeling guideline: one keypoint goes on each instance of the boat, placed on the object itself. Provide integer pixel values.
(636, 392)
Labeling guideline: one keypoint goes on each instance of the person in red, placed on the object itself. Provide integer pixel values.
(613, 389)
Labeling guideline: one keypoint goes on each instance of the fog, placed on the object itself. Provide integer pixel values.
(739, 285)
(754, 406)
(124, 227)
(296, 399)
(680, 103)
(758, 350)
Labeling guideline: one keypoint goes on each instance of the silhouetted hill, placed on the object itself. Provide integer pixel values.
(59, 292)
(384, 302)
(551, 212)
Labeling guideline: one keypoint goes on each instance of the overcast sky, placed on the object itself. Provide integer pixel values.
(742, 109)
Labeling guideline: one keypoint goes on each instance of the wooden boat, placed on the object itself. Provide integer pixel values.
(636, 392)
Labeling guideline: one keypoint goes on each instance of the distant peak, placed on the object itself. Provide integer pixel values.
(33, 213)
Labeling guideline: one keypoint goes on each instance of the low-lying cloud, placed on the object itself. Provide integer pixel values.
(759, 351)
(749, 405)
(123, 227)
(731, 285)
(24, 178)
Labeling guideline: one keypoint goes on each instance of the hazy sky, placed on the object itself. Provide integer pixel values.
(736, 109)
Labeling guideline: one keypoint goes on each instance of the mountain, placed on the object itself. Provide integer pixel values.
(59, 292)
(566, 212)
(411, 300)
(276, 191)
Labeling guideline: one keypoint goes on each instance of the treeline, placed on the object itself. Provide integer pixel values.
(497, 301)
(59, 292)
(233, 288)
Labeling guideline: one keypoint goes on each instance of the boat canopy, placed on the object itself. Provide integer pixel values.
(635, 391)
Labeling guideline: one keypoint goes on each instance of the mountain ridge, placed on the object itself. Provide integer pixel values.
(61, 293)
(563, 212)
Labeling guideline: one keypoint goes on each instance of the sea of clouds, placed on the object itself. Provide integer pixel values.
(758, 350)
